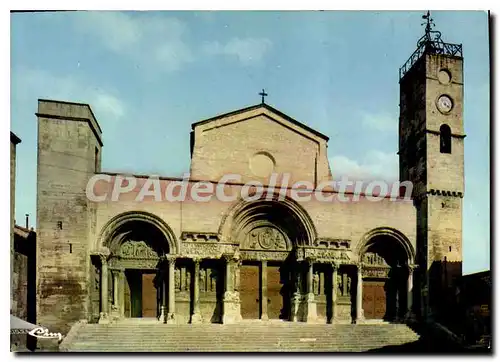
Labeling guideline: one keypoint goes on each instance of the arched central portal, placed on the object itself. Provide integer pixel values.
(268, 232)
(386, 263)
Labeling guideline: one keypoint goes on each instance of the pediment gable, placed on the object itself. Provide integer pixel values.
(256, 142)
(249, 113)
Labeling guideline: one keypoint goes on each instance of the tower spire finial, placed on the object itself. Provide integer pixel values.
(431, 36)
(429, 24)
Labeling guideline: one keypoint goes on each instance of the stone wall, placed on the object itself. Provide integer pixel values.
(335, 220)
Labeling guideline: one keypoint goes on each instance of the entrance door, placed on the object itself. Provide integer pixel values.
(274, 297)
(374, 299)
(133, 289)
(140, 294)
(149, 296)
(249, 291)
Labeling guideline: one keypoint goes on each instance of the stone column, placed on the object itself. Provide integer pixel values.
(409, 313)
(237, 279)
(335, 268)
(171, 291)
(163, 289)
(196, 317)
(229, 287)
(121, 293)
(104, 290)
(231, 306)
(296, 296)
(263, 290)
(311, 314)
(359, 295)
(115, 289)
(310, 276)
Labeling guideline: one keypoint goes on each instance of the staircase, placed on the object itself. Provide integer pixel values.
(245, 337)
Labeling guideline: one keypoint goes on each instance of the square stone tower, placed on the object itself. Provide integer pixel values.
(431, 156)
(69, 153)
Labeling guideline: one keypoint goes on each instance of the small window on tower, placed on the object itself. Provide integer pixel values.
(96, 160)
(445, 139)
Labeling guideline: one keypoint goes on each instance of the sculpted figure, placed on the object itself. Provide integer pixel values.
(252, 240)
(177, 279)
(339, 285)
(316, 284)
(188, 280)
(203, 275)
(279, 242)
(127, 249)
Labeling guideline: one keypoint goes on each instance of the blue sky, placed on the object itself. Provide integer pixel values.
(149, 75)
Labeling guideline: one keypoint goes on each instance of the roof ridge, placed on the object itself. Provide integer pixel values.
(256, 106)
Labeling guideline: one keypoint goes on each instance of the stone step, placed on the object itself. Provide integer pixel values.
(246, 337)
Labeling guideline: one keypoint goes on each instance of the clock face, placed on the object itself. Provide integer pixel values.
(444, 76)
(445, 104)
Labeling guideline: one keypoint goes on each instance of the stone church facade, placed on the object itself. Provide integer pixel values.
(186, 261)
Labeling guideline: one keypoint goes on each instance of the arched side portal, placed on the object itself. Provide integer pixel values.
(134, 274)
(135, 221)
(387, 259)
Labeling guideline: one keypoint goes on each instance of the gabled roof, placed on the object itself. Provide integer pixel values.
(269, 108)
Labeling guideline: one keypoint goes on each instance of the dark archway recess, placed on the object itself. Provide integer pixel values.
(276, 213)
(385, 278)
(142, 224)
(138, 230)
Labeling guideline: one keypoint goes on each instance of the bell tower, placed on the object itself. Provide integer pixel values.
(431, 156)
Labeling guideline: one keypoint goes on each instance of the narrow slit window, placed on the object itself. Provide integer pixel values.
(445, 139)
(96, 160)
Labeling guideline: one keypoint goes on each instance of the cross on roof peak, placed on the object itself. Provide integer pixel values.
(263, 94)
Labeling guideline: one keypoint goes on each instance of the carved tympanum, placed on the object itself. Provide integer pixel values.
(137, 249)
(266, 237)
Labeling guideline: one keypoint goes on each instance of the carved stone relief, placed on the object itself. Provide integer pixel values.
(133, 263)
(376, 272)
(322, 254)
(264, 255)
(207, 250)
(137, 250)
(373, 259)
(267, 238)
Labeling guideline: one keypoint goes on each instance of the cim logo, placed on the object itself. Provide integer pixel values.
(44, 333)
